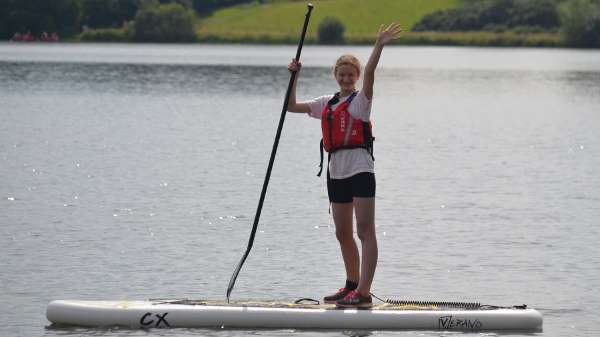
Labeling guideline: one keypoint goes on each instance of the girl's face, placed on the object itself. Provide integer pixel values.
(346, 76)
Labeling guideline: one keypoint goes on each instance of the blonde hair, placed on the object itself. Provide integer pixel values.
(347, 60)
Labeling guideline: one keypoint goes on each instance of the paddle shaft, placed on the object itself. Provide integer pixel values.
(272, 159)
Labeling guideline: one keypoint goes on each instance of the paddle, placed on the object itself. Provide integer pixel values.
(273, 152)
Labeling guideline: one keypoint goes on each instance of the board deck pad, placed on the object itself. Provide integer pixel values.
(389, 305)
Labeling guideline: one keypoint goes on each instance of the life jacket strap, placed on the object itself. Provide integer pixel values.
(369, 139)
(321, 163)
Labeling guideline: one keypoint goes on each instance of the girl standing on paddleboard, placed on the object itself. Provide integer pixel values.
(345, 122)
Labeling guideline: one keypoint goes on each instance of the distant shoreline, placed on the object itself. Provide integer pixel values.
(467, 39)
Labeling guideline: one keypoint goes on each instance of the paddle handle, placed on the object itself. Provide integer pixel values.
(272, 159)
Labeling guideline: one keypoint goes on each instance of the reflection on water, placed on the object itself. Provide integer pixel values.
(269, 80)
(138, 79)
(135, 174)
(452, 58)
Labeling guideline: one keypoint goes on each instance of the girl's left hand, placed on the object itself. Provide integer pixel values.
(392, 32)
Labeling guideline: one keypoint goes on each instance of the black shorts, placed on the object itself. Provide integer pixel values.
(360, 185)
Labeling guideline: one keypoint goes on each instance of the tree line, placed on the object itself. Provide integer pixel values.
(578, 20)
(175, 20)
(70, 17)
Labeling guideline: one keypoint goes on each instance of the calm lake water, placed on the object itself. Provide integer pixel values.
(134, 171)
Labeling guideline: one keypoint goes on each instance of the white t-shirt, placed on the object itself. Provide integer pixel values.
(346, 163)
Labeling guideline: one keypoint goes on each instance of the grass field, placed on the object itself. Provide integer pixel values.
(280, 21)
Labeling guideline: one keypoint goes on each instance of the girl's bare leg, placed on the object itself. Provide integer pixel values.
(364, 209)
(342, 218)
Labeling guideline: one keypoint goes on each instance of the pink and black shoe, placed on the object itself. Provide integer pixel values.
(331, 299)
(355, 300)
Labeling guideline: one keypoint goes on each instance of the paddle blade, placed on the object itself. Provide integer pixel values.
(235, 274)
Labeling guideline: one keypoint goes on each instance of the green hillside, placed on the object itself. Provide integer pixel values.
(281, 20)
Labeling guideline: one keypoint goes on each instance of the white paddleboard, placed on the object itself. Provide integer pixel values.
(270, 315)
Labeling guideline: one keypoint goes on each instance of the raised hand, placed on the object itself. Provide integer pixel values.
(392, 32)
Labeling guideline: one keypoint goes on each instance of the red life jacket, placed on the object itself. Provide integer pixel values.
(342, 131)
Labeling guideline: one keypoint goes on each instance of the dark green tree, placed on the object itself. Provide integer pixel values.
(165, 23)
(581, 23)
(492, 14)
(541, 13)
(107, 13)
(37, 16)
(184, 3)
(207, 6)
(331, 31)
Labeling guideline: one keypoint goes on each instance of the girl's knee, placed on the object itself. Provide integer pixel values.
(366, 232)
(344, 235)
